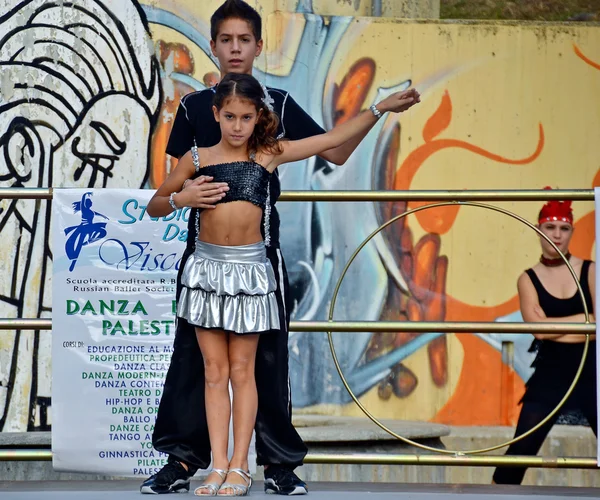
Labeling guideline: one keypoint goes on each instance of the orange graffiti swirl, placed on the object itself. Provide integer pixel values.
(350, 95)
(585, 59)
(441, 219)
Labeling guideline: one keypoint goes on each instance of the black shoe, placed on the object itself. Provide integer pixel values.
(281, 480)
(172, 478)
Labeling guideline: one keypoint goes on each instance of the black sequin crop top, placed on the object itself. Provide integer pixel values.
(247, 181)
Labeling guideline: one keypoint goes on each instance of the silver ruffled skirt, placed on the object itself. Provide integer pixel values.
(229, 288)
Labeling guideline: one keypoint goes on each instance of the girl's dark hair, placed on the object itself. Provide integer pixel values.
(235, 9)
(247, 87)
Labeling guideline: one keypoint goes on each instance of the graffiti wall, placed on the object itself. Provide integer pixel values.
(88, 91)
(80, 95)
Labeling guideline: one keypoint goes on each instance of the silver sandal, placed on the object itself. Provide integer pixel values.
(237, 490)
(212, 488)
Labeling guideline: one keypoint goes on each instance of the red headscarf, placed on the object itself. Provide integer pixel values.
(556, 211)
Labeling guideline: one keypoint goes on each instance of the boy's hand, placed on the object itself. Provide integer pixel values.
(201, 193)
(400, 101)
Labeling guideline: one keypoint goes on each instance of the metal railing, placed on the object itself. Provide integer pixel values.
(24, 455)
(363, 195)
(377, 326)
(456, 459)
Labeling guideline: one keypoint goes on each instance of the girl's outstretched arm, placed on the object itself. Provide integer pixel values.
(305, 148)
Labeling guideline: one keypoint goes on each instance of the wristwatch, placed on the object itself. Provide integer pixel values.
(375, 111)
(172, 201)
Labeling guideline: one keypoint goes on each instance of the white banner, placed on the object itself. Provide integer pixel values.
(597, 201)
(113, 325)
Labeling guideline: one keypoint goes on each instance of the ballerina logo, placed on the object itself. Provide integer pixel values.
(87, 232)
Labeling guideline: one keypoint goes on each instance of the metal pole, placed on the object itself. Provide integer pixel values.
(452, 460)
(378, 326)
(25, 324)
(441, 326)
(25, 193)
(15, 455)
(25, 455)
(365, 195)
(456, 196)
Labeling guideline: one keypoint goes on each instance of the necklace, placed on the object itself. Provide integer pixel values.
(554, 262)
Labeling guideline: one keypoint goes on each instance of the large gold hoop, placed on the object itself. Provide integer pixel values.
(410, 441)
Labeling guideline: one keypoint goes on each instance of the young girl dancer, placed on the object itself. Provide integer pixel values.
(228, 283)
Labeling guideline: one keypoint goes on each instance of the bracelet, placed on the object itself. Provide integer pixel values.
(375, 111)
(172, 201)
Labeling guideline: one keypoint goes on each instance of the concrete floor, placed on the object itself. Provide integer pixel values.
(126, 489)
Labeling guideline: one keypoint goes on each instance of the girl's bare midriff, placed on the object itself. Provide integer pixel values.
(231, 224)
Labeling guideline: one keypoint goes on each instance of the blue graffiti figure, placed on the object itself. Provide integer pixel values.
(85, 233)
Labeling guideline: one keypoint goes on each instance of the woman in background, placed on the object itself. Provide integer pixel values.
(548, 293)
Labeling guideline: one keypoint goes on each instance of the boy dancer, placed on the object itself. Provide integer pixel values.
(181, 429)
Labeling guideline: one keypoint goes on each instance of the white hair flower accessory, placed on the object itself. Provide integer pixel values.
(267, 99)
